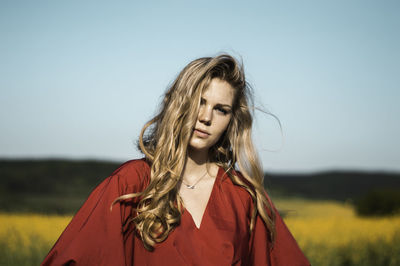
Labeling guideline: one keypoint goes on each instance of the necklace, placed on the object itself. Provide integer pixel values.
(193, 186)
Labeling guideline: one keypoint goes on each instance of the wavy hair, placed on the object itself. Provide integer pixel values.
(164, 141)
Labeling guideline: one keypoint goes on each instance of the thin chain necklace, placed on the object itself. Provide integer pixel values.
(195, 183)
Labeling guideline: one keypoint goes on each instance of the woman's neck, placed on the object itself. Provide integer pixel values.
(196, 164)
(197, 157)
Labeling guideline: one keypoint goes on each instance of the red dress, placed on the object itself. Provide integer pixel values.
(95, 235)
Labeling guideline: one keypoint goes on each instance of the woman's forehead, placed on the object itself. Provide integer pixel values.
(219, 91)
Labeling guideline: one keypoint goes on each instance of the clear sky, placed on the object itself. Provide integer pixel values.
(78, 79)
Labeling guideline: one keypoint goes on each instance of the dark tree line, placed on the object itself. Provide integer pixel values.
(61, 186)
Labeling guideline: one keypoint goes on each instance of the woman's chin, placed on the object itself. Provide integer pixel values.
(199, 147)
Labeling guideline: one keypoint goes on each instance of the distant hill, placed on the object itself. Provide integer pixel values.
(334, 185)
(61, 186)
(52, 176)
(49, 186)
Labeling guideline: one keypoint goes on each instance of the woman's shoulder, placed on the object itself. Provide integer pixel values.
(137, 165)
(236, 183)
(133, 173)
(237, 175)
(233, 181)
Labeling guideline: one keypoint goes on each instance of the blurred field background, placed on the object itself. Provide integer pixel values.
(325, 211)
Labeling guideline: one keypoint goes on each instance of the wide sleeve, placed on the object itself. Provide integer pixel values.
(283, 252)
(95, 234)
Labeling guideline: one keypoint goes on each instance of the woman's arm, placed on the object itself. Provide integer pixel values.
(94, 236)
(285, 250)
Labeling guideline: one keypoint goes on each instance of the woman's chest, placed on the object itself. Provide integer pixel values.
(221, 239)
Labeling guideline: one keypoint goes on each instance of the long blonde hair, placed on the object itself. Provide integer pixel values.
(164, 141)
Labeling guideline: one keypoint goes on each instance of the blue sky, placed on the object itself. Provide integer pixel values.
(80, 78)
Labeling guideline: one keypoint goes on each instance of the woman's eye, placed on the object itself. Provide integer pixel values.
(222, 111)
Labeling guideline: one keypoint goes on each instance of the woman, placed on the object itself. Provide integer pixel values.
(184, 203)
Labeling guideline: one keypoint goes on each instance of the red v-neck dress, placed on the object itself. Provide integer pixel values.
(95, 235)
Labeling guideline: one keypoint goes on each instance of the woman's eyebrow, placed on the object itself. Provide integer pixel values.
(224, 105)
(218, 104)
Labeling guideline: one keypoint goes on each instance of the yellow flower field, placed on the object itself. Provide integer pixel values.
(328, 232)
(331, 234)
(335, 224)
(26, 238)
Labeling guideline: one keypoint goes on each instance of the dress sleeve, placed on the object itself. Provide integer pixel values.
(95, 234)
(285, 250)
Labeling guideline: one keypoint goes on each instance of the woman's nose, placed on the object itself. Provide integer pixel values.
(205, 115)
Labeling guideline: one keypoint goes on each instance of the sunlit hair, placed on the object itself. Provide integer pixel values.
(164, 141)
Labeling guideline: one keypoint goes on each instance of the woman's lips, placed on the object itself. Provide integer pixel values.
(201, 133)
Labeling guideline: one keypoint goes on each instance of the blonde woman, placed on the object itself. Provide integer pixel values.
(197, 198)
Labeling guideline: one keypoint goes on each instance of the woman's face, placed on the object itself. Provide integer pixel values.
(214, 115)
